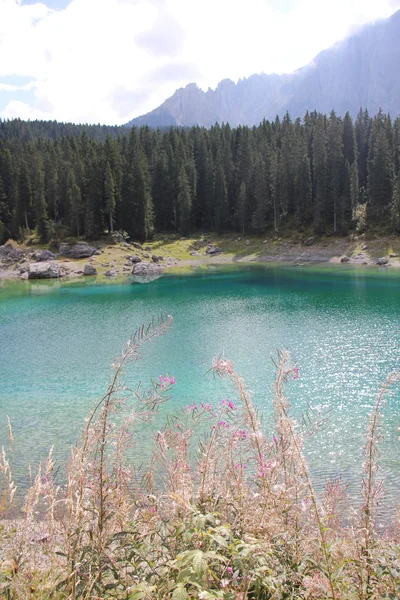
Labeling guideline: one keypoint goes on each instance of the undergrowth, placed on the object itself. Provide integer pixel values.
(233, 516)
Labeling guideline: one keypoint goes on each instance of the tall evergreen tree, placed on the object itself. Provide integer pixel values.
(241, 208)
(335, 171)
(43, 224)
(184, 203)
(109, 196)
(320, 179)
(136, 196)
(380, 171)
(24, 200)
(221, 206)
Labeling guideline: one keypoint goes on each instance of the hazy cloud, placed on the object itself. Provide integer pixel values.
(175, 72)
(125, 101)
(164, 38)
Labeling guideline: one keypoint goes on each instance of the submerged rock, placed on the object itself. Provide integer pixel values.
(43, 270)
(146, 272)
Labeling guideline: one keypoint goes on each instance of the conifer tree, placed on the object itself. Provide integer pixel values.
(380, 171)
(221, 206)
(320, 173)
(395, 206)
(241, 208)
(184, 203)
(43, 224)
(260, 193)
(24, 199)
(136, 197)
(74, 203)
(109, 196)
(335, 171)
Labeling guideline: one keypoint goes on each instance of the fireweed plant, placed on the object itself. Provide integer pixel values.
(224, 509)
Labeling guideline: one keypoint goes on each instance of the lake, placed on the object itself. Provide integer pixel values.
(341, 325)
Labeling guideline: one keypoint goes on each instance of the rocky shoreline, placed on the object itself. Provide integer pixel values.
(144, 264)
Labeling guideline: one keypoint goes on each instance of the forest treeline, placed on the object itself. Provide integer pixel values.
(324, 173)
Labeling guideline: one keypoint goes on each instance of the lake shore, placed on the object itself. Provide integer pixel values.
(173, 253)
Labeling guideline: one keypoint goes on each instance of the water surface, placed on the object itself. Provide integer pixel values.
(341, 325)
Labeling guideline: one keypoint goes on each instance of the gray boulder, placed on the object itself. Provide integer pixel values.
(137, 245)
(382, 261)
(213, 250)
(89, 270)
(44, 270)
(80, 250)
(195, 253)
(309, 241)
(5, 251)
(345, 259)
(15, 254)
(144, 268)
(135, 259)
(45, 256)
(110, 273)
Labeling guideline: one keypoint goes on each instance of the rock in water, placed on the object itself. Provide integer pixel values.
(144, 268)
(89, 270)
(44, 270)
(146, 272)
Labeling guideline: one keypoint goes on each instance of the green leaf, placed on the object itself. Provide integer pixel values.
(199, 564)
(179, 593)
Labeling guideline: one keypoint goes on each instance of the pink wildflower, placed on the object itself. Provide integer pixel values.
(296, 373)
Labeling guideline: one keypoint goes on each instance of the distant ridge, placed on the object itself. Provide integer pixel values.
(361, 71)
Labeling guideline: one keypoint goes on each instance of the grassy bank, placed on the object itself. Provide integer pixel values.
(183, 253)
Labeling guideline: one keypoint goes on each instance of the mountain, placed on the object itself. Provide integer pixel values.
(358, 72)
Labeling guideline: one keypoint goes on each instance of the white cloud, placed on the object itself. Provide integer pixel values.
(107, 60)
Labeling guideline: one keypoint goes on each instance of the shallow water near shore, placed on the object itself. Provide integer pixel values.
(341, 325)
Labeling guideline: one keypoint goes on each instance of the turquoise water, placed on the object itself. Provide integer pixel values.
(57, 343)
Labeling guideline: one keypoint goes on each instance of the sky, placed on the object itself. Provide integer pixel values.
(107, 61)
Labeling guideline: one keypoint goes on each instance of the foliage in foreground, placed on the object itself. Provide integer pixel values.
(232, 516)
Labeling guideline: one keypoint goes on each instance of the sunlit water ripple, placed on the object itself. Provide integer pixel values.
(340, 325)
